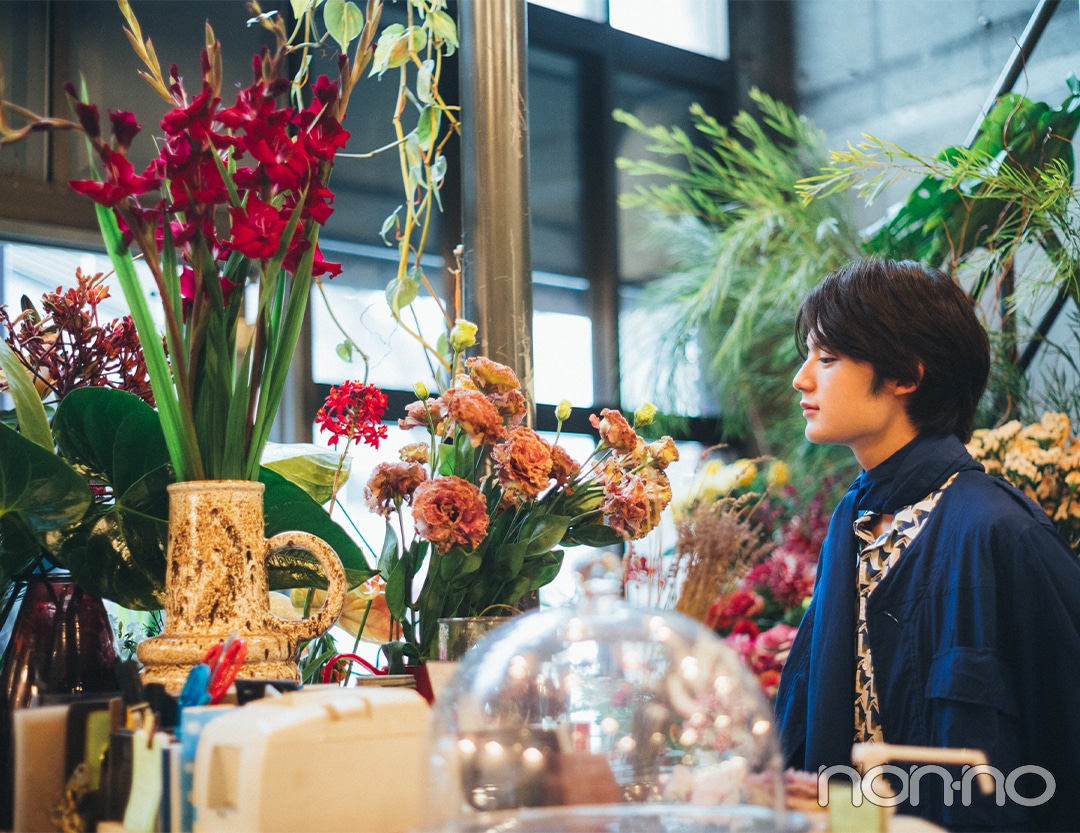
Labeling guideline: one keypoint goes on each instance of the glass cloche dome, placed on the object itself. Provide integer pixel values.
(604, 717)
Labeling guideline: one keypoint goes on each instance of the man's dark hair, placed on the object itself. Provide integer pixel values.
(898, 316)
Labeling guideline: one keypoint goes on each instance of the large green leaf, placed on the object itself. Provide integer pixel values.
(313, 468)
(112, 433)
(118, 550)
(39, 487)
(288, 507)
(40, 495)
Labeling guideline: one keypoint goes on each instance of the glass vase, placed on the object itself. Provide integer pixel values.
(61, 642)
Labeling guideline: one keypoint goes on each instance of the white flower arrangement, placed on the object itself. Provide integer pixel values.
(1043, 460)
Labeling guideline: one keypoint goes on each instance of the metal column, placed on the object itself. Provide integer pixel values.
(495, 182)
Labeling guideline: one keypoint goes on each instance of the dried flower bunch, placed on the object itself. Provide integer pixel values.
(1043, 460)
(745, 558)
(491, 501)
(65, 345)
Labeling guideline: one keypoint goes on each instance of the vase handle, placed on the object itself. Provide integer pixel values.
(336, 584)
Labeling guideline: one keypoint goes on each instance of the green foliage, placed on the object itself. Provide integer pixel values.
(756, 217)
(746, 250)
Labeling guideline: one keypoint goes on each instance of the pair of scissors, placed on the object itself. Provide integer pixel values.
(208, 681)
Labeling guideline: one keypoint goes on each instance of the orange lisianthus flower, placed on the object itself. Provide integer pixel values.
(523, 464)
(450, 511)
(392, 484)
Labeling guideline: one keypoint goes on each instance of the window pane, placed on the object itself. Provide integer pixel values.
(33, 270)
(562, 324)
(696, 25)
(24, 54)
(562, 340)
(644, 256)
(355, 302)
(588, 9)
(554, 163)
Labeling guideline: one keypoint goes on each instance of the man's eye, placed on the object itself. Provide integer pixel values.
(827, 359)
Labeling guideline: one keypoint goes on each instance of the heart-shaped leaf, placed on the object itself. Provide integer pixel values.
(344, 21)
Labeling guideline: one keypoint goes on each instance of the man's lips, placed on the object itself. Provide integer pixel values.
(807, 408)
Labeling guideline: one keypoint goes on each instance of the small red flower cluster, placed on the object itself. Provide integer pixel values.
(280, 192)
(354, 411)
(67, 347)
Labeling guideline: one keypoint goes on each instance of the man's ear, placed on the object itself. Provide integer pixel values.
(904, 388)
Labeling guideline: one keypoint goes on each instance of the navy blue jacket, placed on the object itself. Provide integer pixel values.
(975, 636)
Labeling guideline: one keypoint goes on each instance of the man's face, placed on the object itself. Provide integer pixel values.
(840, 407)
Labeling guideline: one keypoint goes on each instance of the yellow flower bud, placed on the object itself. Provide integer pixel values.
(421, 391)
(562, 410)
(644, 415)
(463, 335)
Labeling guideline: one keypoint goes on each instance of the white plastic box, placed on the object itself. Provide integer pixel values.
(324, 759)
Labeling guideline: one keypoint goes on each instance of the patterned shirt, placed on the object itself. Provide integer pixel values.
(877, 556)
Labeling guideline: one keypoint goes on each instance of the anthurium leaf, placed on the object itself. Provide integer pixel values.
(311, 467)
(287, 508)
(18, 550)
(37, 486)
(121, 561)
(344, 21)
(33, 423)
(113, 434)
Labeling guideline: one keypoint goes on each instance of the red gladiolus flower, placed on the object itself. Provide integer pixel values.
(354, 411)
(257, 229)
(120, 182)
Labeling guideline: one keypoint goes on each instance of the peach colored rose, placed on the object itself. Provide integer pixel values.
(475, 415)
(490, 376)
(523, 464)
(615, 431)
(563, 466)
(392, 484)
(449, 511)
(426, 414)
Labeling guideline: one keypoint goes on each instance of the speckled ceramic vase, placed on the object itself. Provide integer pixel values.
(216, 584)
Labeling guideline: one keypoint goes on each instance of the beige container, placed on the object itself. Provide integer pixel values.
(302, 761)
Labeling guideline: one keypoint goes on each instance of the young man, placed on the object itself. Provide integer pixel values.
(946, 611)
